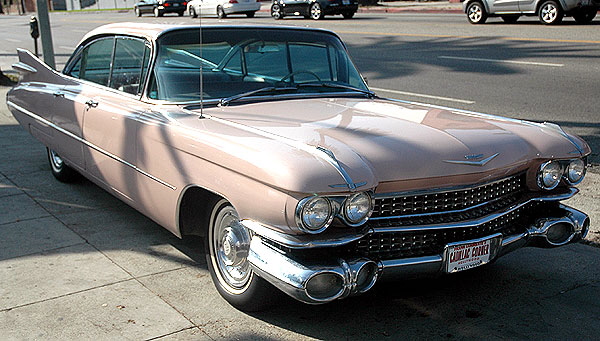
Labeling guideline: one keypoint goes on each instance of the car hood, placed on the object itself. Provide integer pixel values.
(376, 141)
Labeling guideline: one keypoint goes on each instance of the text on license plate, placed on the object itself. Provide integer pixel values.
(346, 2)
(466, 256)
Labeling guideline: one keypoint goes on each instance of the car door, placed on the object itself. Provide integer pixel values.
(293, 6)
(112, 70)
(147, 6)
(209, 7)
(501, 6)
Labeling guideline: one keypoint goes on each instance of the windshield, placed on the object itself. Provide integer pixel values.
(241, 60)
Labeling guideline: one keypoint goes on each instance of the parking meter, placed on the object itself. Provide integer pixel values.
(34, 30)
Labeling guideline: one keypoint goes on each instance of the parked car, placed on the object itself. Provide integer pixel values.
(267, 142)
(223, 8)
(550, 12)
(315, 9)
(160, 7)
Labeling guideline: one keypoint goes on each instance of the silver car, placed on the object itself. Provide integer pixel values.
(550, 12)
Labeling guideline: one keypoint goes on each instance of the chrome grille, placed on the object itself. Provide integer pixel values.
(507, 190)
(427, 242)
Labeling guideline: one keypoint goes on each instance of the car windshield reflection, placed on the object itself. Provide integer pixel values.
(233, 64)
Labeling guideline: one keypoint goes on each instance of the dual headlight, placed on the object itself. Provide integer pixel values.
(552, 172)
(315, 214)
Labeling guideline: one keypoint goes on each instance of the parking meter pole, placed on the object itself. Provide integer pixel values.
(34, 31)
(46, 34)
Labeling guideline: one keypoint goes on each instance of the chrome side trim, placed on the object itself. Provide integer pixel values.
(91, 145)
(22, 67)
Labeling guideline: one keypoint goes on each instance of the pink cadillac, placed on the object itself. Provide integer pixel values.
(267, 142)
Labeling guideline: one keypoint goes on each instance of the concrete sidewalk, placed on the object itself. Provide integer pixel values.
(76, 263)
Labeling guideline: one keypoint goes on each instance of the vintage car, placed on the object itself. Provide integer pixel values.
(267, 142)
(313, 9)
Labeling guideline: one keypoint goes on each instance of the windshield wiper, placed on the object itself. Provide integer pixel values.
(227, 100)
(369, 93)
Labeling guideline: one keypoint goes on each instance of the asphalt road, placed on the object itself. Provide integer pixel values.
(525, 70)
(77, 263)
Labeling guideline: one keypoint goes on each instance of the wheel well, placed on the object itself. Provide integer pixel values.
(194, 210)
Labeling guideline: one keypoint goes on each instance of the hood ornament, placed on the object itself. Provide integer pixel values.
(473, 160)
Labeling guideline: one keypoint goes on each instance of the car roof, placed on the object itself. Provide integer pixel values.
(152, 31)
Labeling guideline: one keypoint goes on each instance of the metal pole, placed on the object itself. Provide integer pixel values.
(45, 33)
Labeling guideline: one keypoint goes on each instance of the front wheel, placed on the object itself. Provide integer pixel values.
(476, 13)
(157, 12)
(60, 170)
(192, 12)
(585, 16)
(250, 14)
(276, 12)
(316, 12)
(550, 13)
(137, 12)
(221, 13)
(227, 244)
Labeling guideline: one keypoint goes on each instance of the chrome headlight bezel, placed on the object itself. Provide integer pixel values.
(301, 212)
(356, 221)
(544, 170)
(568, 171)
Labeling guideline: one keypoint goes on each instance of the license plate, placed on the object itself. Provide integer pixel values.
(175, 4)
(471, 254)
(346, 2)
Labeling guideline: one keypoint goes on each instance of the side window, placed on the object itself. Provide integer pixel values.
(130, 63)
(96, 58)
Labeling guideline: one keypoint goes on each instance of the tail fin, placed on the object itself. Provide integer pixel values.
(33, 69)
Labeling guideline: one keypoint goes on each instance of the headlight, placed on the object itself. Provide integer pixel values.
(315, 214)
(549, 175)
(575, 171)
(357, 208)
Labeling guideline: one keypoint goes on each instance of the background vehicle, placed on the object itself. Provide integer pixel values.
(222, 8)
(550, 12)
(315, 9)
(160, 7)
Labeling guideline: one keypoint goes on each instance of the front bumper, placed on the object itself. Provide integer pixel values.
(319, 280)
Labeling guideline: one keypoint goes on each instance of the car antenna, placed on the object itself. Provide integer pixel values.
(201, 71)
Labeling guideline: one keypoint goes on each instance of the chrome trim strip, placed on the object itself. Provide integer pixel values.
(20, 66)
(68, 133)
(479, 221)
(473, 163)
(442, 189)
(317, 151)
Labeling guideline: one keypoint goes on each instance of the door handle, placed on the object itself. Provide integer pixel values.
(91, 103)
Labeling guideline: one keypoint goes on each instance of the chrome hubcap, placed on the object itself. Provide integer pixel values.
(549, 13)
(57, 162)
(231, 243)
(475, 13)
(315, 11)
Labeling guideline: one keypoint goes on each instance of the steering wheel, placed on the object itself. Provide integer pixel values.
(291, 74)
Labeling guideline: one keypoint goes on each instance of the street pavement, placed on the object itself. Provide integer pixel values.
(76, 263)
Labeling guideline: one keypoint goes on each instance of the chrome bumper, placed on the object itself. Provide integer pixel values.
(331, 279)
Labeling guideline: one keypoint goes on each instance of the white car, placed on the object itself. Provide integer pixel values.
(222, 8)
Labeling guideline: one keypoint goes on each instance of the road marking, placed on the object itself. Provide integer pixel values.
(449, 99)
(502, 61)
(13, 40)
(470, 37)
